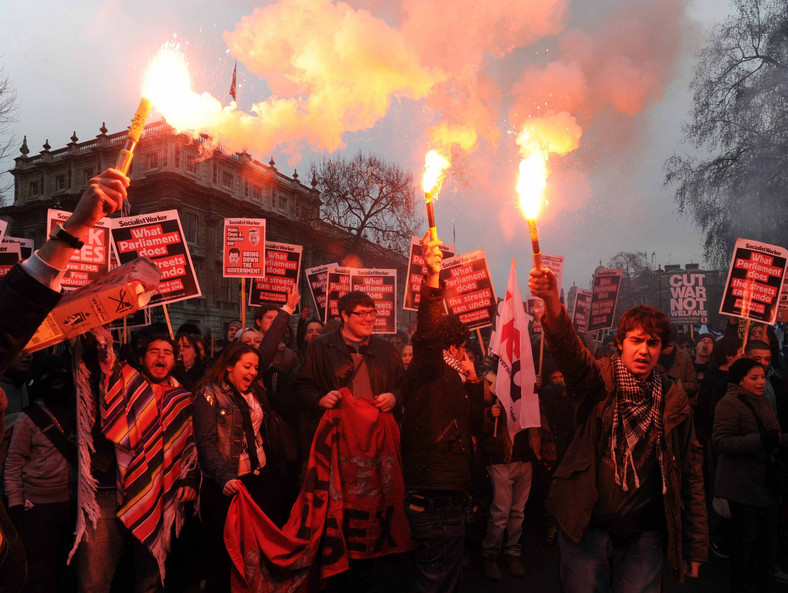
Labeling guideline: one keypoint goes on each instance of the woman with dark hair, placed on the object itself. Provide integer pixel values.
(236, 445)
(190, 365)
(746, 432)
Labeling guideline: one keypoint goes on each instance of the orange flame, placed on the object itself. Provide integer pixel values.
(532, 176)
(435, 165)
(168, 86)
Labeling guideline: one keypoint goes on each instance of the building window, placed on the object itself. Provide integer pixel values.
(177, 157)
(257, 193)
(282, 203)
(164, 157)
(153, 160)
(192, 165)
(215, 172)
(226, 291)
(60, 182)
(189, 220)
(246, 189)
(87, 174)
(34, 190)
(227, 179)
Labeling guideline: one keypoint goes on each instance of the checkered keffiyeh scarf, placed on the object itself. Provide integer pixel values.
(455, 364)
(637, 416)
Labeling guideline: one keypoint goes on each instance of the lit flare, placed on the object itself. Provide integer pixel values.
(435, 166)
(531, 184)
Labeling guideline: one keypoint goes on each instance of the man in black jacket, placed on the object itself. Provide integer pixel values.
(443, 402)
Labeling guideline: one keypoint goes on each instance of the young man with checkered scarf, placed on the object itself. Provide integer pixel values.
(628, 494)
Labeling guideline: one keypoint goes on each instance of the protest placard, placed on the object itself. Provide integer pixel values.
(469, 289)
(381, 285)
(282, 269)
(317, 281)
(535, 308)
(604, 297)
(244, 248)
(754, 281)
(3, 228)
(159, 237)
(139, 318)
(782, 308)
(337, 284)
(26, 246)
(556, 264)
(92, 260)
(688, 297)
(416, 272)
(9, 257)
(581, 310)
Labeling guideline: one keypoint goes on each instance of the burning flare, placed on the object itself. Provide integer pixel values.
(532, 177)
(435, 165)
(168, 86)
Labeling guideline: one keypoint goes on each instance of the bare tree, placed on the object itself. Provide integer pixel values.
(370, 199)
(739, 123)
(7, 118)
(639, 284)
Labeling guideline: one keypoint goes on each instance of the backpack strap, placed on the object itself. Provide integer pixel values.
(53, 432)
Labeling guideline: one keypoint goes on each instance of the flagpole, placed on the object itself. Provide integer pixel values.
(243, 303)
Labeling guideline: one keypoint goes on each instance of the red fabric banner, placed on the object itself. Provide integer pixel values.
(350, 506)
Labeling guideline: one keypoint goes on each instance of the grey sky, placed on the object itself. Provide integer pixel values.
(75, 65)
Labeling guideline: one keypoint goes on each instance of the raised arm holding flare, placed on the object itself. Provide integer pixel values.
(631, 479)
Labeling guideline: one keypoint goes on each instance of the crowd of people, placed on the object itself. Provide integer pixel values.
(139, 460)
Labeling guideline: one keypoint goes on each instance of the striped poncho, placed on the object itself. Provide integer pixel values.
(154, 446)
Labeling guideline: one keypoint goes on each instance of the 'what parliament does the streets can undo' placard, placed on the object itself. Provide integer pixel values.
(469, 289)
(282, 269)
(317, 281)
(754, 280)
(416, 272)
(604, 296)
(244, 248)
(379, 284)
(159, 237)
(581, 310)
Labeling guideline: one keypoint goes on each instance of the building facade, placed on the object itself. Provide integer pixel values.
(176, 172)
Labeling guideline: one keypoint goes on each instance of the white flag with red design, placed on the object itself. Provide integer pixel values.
(516, 380)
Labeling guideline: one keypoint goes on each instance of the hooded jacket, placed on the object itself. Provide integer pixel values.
(574, 490)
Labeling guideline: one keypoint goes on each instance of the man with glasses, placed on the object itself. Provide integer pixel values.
(349, 356)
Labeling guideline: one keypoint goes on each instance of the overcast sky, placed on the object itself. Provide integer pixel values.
(76, 65)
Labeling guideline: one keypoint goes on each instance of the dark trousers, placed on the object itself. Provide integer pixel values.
(47, 532)
(102, 546)
(594, 566)
(438, 528)
(753, 546)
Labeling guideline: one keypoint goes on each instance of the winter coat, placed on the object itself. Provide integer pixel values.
(741, 462)
(219, 431)
(440, 411)
(25, 303)
(35, 470)
(329, 366)
(574, 490)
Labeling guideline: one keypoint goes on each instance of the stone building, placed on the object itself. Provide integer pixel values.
(174, 171)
